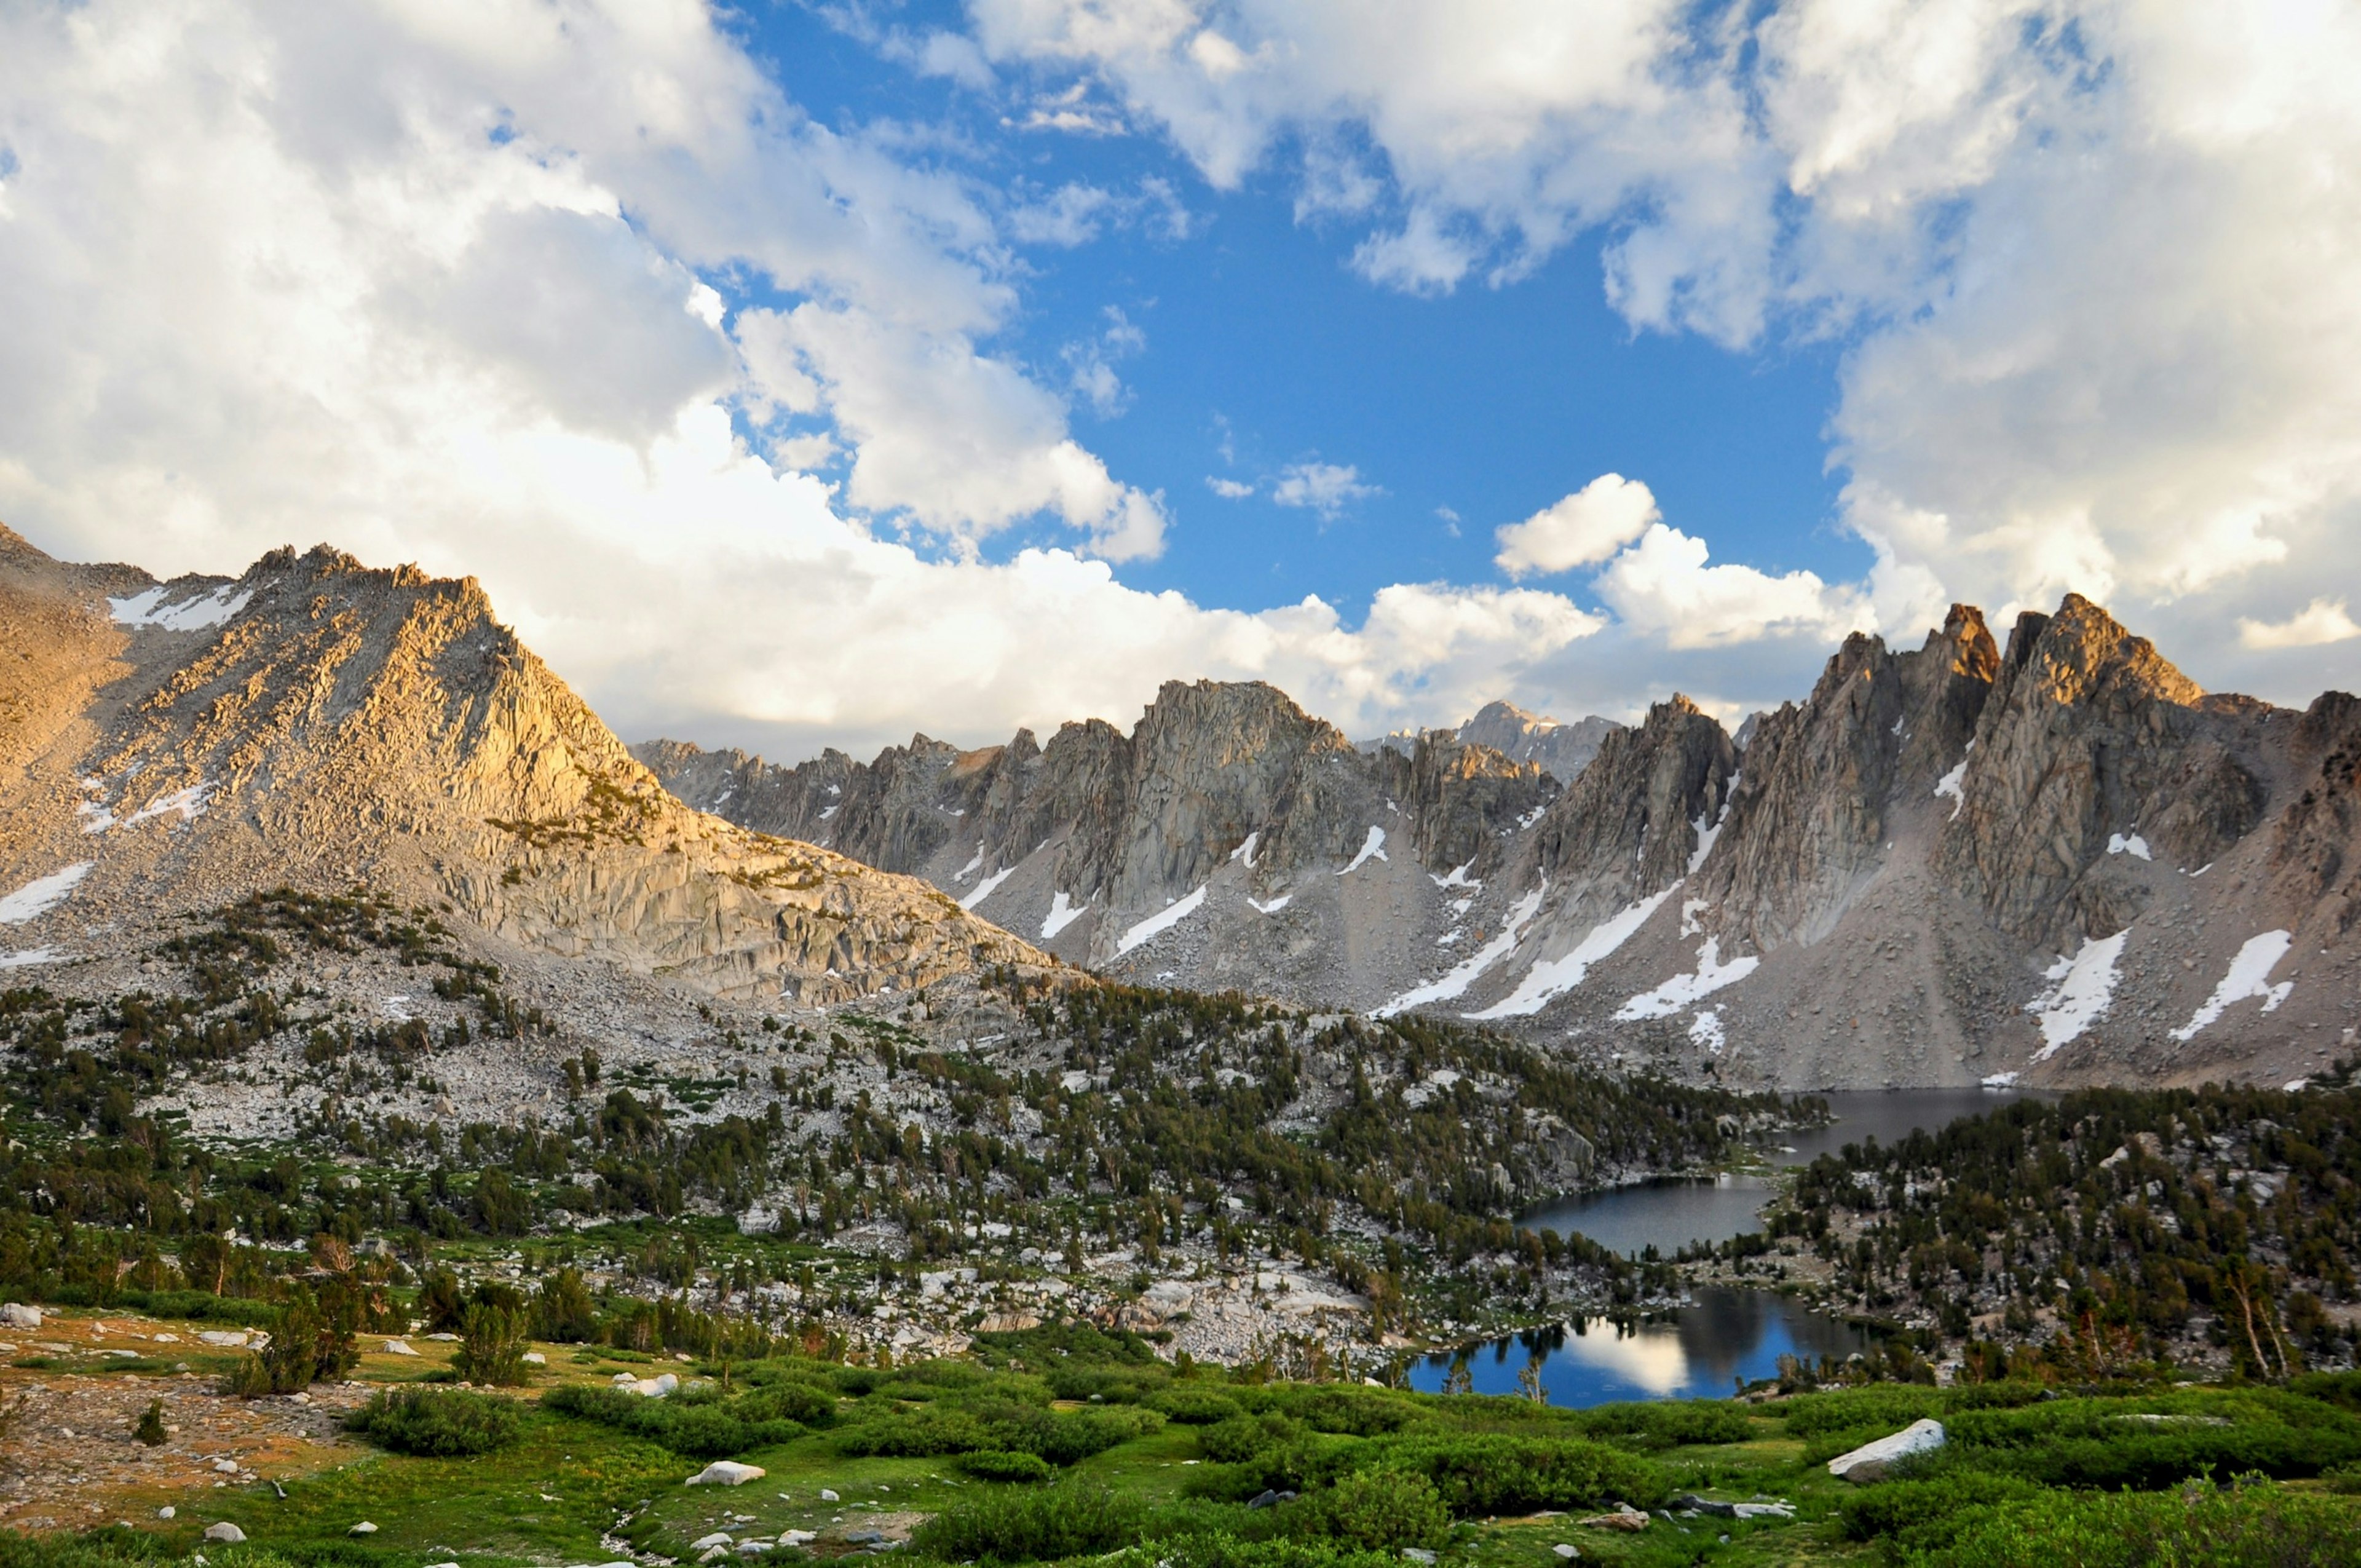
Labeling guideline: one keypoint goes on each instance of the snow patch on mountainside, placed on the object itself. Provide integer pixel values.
(2081, 989)
(1063, 912)
(193, 614)
(2249, 974)
(1465, 973)
(42, 894)
(1953, 783)
(1681, 990)
(1554, 976)
(1373, 846)
(986, 888)
(1163, 920)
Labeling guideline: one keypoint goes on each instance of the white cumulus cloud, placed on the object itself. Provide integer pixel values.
(2319, 622)
(1581, 530)
(1662, 585)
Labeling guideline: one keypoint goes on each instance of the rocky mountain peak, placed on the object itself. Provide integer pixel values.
(318, 722)
(1635, 821)
(2089, 737)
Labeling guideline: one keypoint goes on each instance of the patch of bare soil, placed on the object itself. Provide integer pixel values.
(69, 1459)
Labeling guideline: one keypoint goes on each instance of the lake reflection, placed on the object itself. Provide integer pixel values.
(1694, 1352)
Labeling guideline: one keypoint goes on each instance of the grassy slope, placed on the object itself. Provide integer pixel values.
(566, 1482)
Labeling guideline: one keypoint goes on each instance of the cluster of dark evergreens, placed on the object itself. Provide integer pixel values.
(1183, 1130)
(2109, 1225)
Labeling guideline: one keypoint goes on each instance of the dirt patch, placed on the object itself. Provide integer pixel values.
(69, 1460)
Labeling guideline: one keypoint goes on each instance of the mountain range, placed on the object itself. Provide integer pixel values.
(2056, 860)
(2049, 859)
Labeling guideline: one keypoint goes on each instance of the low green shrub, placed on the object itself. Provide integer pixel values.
(1221, 1548)
(1892, 1508)
(1194, 1405)
(1491, 1473)
(925, 1434)
(1003, 1464)
(2257, 1526)
(439, 1423)
(923, 1380)
(789, 1401)
(1667, 1423)
(1030, 1525)
(967, 1425)
(1376, 1510)
(1352, 1413)
(1885, 1407)
(1074, 1438)
(1116, 1385)
(1067, 1344)
(112, 1547)
(856, 1382)
(1241, 1438)
(695, 1431)
(2152, 1442)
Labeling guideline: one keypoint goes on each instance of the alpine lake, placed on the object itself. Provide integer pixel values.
(1723, 1336)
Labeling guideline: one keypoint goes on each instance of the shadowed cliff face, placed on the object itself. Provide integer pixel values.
(1634, 821)
(2090, 735)
(1216, 780)
(1809, 818)
(317, 722)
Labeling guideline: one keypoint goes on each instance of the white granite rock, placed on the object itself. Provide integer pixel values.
(727, 1473)
(1875, 1460)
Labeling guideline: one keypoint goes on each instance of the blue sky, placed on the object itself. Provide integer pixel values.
(1260, 347)
(794, 377)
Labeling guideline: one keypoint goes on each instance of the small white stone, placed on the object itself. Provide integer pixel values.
(166, 1511)
(364, 1528)
(225, 1532)
(827, 1495)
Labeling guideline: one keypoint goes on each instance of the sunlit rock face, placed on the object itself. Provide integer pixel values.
(319, 724)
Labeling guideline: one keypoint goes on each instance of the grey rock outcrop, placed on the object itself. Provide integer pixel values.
(1809, 818)
(1561, 751)
(2089, 737)
(1633, 823)
(1226, 793)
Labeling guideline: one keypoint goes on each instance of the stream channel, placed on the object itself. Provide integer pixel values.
(1727, 1333)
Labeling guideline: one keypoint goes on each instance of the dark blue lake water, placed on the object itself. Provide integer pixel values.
(1699, 1351)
